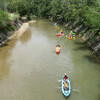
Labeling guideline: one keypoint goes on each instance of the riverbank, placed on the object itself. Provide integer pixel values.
(25, 26)
(21, 28)
(90, 39)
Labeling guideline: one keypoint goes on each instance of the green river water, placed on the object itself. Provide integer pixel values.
(31, 70)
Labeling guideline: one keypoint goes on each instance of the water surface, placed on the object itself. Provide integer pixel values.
(30, 70)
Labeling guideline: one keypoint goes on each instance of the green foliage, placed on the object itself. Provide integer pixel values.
(20, 6)
(40, 8)
(56, 9)
(4, 19)
(86, 12)
(2, 4)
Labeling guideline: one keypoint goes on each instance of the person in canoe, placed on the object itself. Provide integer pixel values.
(70, 35)
(66, 86)
(73, 35)
(58, 49)
(61, 31)
(65, 77)
(57, 26)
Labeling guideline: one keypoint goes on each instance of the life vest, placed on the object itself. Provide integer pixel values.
(66, 84)
(65, 77)
(57, 49)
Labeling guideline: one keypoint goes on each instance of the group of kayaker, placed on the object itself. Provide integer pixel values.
(61, 33)
(65, 82)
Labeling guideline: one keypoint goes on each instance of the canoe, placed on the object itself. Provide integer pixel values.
(59, 34)
(70, 38)
(58, 52)
(66, 92)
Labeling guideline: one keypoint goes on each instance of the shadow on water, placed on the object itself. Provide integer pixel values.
(98, 98)
(4, 45)
(91, 59)
(66, 97)
(81, 46)
(5, 53)
(79, 43)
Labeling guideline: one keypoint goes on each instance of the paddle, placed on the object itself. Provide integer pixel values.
(55, 47)
(59, 80)
(75, 90)
(71, 89)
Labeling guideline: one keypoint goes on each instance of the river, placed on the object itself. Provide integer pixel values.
(31, 70)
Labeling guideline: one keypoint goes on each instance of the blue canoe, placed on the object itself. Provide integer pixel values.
(66, 92)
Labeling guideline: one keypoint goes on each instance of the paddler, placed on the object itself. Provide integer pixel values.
(57, 26)
(58, 49)
(65, 76)
(70, 35)
(61, 31)
(66, 86)
(73, 34)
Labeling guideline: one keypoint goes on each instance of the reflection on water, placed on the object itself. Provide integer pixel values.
(5, 53)
(26, 37)
(29, 69)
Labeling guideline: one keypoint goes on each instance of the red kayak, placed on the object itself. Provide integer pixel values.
(59, 34)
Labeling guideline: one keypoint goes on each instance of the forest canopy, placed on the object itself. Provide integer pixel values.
(86, 12)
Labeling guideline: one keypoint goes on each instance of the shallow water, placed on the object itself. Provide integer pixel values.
(31, 70)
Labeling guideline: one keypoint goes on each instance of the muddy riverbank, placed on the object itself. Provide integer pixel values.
(21, 28)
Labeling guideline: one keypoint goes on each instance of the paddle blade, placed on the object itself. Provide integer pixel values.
(53, 47)
(59, 80)
(75, 90)
(58, 87)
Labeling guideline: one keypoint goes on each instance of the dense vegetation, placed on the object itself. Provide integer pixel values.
(79, 12)
(4, 19)
(86, 12)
